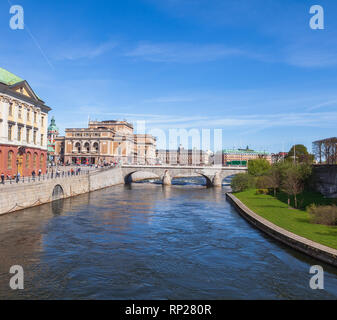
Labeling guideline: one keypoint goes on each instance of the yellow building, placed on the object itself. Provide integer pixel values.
(104, 142)
(23, 127)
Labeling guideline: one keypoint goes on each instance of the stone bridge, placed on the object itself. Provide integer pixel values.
(213, 175)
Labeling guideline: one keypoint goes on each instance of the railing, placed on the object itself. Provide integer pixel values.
(53, 175)
(43, 177)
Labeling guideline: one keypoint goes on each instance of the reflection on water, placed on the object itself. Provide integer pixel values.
(146, 241)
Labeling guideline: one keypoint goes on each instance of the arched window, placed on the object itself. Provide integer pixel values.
(41, 161)
(34, 160)
(87, 147)
(10, 160)
(27, 160)
(96, 147)
(78, 147)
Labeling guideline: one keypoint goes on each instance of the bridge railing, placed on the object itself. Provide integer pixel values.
(184, 166)
(43, 177)
(58, 174)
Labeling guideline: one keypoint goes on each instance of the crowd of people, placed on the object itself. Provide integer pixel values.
(54, 171)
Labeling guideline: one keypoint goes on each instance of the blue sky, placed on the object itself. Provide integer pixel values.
(253, 68)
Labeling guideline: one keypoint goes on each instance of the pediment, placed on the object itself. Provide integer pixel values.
(25, 89)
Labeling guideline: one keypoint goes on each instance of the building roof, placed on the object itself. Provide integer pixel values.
(244, 151)
(53, 126)
(9, 78)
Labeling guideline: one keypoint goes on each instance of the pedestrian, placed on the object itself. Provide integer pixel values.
(33, 174)
(2, 178)
(18, 177)
(39, 173)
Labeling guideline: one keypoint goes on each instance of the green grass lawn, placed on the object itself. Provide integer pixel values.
(297, 221)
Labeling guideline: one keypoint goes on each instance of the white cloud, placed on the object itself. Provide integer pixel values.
(84, 51)
(256, 122)
(182, 52)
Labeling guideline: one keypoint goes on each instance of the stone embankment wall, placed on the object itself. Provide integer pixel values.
(304, 245)
(25, 195)
(324, 180)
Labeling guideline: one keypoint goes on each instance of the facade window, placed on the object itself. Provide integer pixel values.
(19, 133)
(42, 121)
(41, 139)
(10, 159)
(34, 160)
(41, 161)
(78, 147)
(28, 135)
(10, 110)
(27, 160)
(34, 137)
(96, 146)
(20, 113)
(35, 116)
(10, 129)
(28, 115)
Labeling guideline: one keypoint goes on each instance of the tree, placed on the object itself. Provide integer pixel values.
(326, 150)
(241, 182)
(301, 154)
(274, 178)
(292, 184)
(258, 167)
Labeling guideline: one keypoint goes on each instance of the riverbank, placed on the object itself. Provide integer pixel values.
(289, 226)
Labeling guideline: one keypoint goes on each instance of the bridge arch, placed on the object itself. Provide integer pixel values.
(213, 175)
(58, 192)
(128, 176)
(196, 175)
(151, 175)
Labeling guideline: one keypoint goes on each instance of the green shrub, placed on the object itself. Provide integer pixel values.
(258, 167)
(326, 215)
(262, 182)
(262, 191)
(242, 182)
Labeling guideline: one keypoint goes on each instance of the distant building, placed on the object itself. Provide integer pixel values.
(277, 157)
(52, 133)
(23, 127)
(105, 142)
(184, 157)
(240, 157)
(145, 149)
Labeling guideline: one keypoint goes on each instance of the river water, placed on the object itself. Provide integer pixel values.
(148, 242)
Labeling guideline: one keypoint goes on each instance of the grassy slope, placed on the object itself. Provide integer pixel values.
(296, 221)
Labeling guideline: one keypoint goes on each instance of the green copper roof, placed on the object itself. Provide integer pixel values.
(244, 151)
(8, 78)
(53, 126)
